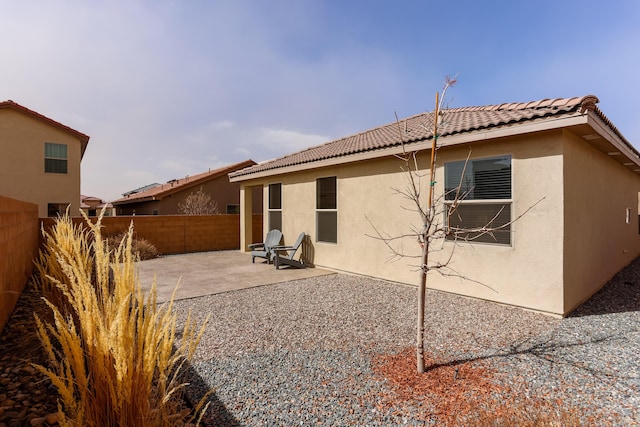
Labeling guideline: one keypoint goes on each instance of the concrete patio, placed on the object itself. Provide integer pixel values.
(206, 273)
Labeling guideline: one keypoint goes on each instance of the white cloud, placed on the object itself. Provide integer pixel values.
(176, 166)
(171, 88)
(167, 88)
(241, 152)
(222, 125)
(287, 141)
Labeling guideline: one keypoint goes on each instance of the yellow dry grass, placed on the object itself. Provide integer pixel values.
(114, 357)
(60, 242)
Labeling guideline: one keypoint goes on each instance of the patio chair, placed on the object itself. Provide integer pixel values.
(284, 255)
(263, 250)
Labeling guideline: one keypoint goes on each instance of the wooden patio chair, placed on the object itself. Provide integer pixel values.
(284, 255)
(264, 249)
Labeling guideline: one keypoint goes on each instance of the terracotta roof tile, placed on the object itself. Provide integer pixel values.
(162, 190)
(89, 202)
(419, 127)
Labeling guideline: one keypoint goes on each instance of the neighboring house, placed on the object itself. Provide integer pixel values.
(92, 206)
(563, 153)
(40, 160)
(164, 199)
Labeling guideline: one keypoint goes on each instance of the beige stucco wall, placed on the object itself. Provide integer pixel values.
(22, 139)
(529, 273)
(598, 240)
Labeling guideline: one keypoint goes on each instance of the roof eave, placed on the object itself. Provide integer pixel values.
(190, 183)
(140, 200)
(84, 139)
(613, 137)
(445, 141)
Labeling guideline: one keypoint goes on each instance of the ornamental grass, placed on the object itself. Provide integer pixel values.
(114, 356)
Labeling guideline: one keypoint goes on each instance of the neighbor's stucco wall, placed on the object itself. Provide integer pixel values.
(222, 192)
(22, 139)
(528, 273)
(139, 208)
(598, 240)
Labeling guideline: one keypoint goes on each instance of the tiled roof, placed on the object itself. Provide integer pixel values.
(160, 191)
(89, 202)
(84, 139)
(419, 128)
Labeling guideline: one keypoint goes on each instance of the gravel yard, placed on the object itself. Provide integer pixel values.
(337, 350)
(304, 352)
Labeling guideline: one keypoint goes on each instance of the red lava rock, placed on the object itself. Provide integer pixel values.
(454, 394)
(24, 390)
(52, 419)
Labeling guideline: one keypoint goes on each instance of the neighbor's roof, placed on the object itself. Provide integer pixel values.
(84, 139)
(160, 191)
(87, 202)
(419, 128)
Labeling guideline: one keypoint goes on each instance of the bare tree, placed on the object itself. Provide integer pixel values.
(439, 216)
(198, 203)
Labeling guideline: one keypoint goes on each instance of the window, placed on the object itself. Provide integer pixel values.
(55, 158)
(326, 210)
(56, 209)
(275, 207)
(484, 198)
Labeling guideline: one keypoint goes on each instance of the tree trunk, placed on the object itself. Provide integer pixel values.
(424, 267)
(421, 307)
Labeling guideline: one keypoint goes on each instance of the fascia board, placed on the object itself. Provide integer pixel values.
(130, 201)
(608, 134)
(446, 141)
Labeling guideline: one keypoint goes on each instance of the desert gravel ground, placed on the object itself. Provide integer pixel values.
(304, 352)
(309, 352)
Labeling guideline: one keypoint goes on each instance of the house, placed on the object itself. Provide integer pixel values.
(165, 199)
(92, 206)
(41, 160)
(558, 168)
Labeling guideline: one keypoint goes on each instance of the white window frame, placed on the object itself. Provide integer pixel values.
(320, 211)
(464, 202)
(274, 211)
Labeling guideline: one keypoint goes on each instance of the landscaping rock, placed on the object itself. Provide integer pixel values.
(25, 396)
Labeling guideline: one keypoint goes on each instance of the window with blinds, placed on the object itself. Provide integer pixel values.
(55, 158)
(483, 190)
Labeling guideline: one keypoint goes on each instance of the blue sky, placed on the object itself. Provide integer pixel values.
(172, 88)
